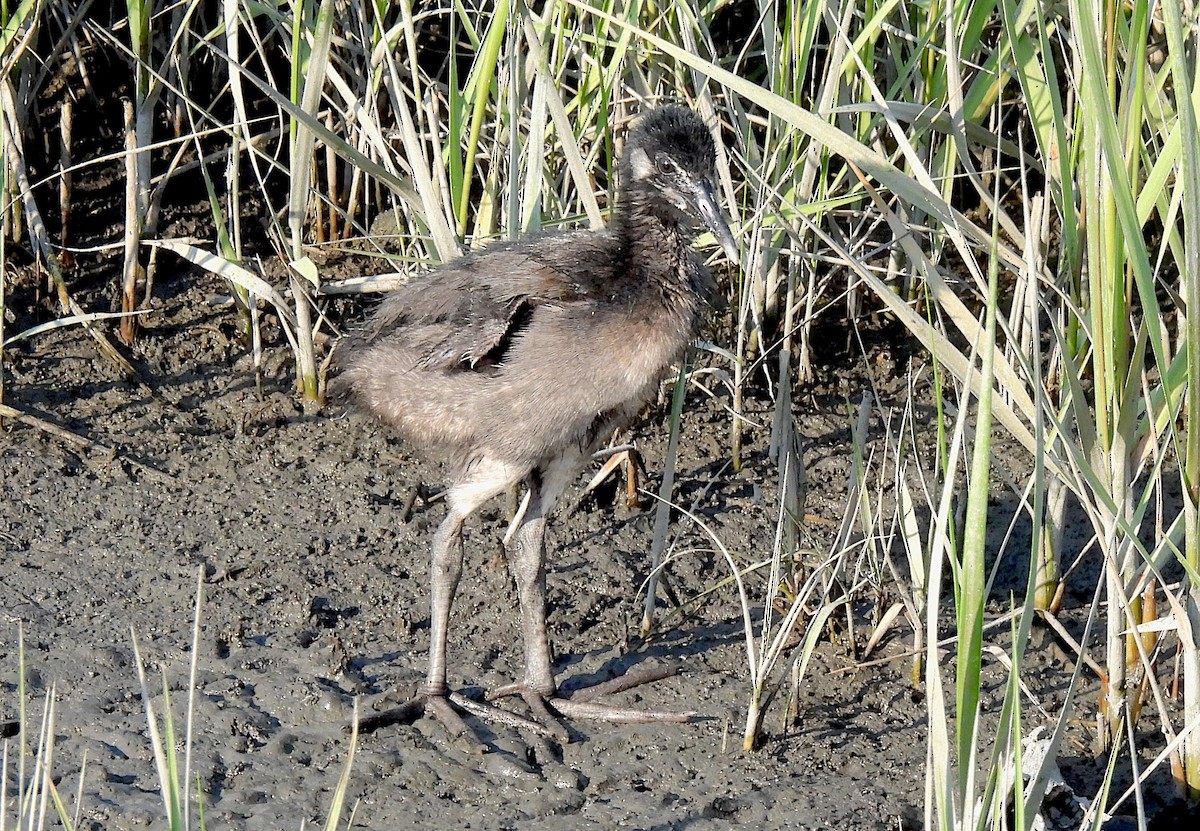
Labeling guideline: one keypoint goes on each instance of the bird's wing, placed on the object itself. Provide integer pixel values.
(465, 314)
(476, 340)
(538, 271)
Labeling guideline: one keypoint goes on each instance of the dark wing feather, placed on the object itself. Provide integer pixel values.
(466, 314)
(480, 340)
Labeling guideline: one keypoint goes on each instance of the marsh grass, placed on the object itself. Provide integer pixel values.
(1016, 184)
(34, 791)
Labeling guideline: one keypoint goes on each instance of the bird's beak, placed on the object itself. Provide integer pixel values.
(714, 220)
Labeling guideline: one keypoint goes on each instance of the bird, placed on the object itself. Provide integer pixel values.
(515, 364)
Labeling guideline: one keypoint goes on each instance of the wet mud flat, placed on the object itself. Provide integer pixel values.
(312, 553)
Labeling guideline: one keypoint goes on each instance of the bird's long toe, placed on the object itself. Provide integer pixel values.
(547, 709)
(447, 708)
(582, 704)
(435, 705)
(594, 711)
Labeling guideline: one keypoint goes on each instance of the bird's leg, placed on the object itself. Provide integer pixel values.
(445, 569)
(434, 698)
(528, 563)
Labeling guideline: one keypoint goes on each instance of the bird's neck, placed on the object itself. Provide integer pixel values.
(656, 241)
(659, 258)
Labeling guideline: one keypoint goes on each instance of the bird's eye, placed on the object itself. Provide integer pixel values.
(664, 164)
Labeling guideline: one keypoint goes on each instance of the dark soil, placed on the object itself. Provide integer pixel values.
(315, 593)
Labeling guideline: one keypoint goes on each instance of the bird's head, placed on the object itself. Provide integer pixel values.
(670, 157)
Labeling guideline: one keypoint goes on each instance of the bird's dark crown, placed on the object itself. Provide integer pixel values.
(669, 141)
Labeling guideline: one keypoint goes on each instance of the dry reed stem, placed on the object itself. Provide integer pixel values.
(65, 119)
(133, 231)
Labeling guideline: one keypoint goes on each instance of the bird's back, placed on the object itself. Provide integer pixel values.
(525, 348)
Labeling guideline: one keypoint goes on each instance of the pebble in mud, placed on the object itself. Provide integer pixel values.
(500, 763)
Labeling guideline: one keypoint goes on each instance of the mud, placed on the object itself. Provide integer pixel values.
(308, 535)
(314, 594)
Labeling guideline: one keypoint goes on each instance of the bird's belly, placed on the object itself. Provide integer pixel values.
(565, 384)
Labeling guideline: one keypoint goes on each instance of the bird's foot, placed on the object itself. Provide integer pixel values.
(581, 704)
(623, 456)
(444, 706)
(545, 704)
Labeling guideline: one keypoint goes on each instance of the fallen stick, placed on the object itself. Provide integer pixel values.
(83, 443)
